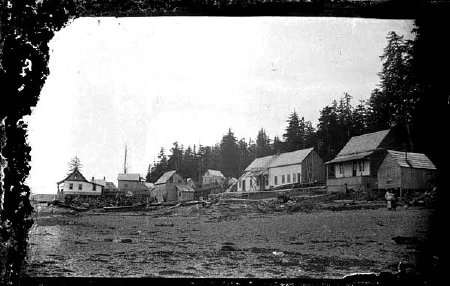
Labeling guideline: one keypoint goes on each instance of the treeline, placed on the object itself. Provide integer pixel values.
(401, 101)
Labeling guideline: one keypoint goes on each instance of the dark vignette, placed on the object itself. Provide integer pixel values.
(26, 26)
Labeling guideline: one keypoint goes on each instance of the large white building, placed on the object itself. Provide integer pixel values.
(76, 184)
(301, 166)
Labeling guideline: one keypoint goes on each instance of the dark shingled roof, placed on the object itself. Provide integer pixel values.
(166, 176)
(412, 160)
(75, 176)
(359, 147)
(364, 143)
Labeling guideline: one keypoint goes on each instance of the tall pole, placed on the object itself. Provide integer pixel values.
(125, 161)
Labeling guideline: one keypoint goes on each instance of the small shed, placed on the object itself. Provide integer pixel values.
(406, 171)
(185, 193)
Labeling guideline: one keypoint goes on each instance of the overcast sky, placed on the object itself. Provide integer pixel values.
(148, 82)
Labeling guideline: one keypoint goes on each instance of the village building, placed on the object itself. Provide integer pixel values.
(212, 178)
(134, 187)
(76, 184)
(191, 183)
(185, 193)
(165, 187)
(298, 167)
(406, 171)
(356, 165)
(110, 190)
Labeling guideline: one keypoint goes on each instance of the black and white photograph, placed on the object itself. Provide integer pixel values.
(271, 147)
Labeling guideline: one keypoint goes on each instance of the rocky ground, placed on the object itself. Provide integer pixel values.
(232, 239)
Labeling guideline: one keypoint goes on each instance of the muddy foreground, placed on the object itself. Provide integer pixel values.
(230, 240)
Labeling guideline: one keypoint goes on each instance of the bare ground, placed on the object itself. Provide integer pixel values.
(232, 240)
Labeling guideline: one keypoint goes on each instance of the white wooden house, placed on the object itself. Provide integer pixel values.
(297, 167)
(76, 184)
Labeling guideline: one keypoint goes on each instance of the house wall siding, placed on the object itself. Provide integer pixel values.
(416, 179)
(389, 173)
(313, 168)
(87, 188)
(348, 169)
(283, 170)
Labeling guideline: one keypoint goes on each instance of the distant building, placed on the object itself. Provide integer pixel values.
(184, 193)
(165, 187)
(42, 198)
(190, 182)
(297, 167)
(356, 165)
(212, 178)
(133, 187)
(406, 171)
(76, 184)
(110, 190)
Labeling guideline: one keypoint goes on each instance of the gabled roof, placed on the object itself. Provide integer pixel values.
(259, 163)
(412, 160)
(100, 182)
(214, 173)
(283, 159)
(165, 177)
(110, 185)
(75, 176)
(364, 143)
(128, 177)
(290, 158)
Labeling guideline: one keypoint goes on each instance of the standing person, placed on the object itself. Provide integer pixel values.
(394, 201)
(388, 196)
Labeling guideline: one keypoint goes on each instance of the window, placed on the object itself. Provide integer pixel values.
(275, 180)
(361, 166)
(94, 187)
(288, 178)
(171, 180)
(70, 186)
(80, 187)
(282, 179)
(251, 182)
(293, 178)
(298, 178)
(341, 168)
(266, 180)
(239, 184)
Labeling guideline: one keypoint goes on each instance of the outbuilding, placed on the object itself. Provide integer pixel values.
(406, 171)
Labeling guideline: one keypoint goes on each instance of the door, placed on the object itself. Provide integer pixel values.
(243, 185)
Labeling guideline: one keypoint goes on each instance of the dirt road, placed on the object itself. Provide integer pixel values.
(226, 241)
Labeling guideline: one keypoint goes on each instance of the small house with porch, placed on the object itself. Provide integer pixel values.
(297, 167)
(406, 171)
(356, 165)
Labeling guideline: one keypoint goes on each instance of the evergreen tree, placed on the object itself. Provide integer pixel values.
(75, 164)
(294, 136)
(262, 144)
(277, 145)
(229, 155)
